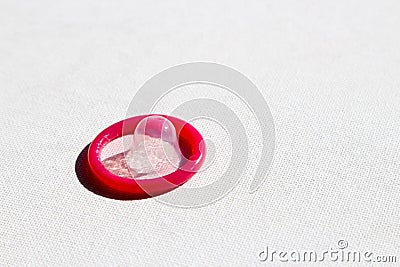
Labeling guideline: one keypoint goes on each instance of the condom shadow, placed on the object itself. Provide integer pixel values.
(88, 180)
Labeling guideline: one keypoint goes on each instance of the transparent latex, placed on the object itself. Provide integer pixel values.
(155, 150)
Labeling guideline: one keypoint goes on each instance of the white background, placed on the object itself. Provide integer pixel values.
(329, 70)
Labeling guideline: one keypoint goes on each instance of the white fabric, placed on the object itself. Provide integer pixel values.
(330, 71)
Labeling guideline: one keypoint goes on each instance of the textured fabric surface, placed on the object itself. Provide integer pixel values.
(329, 70)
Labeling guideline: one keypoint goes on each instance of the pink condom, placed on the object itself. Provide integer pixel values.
(187, 139)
